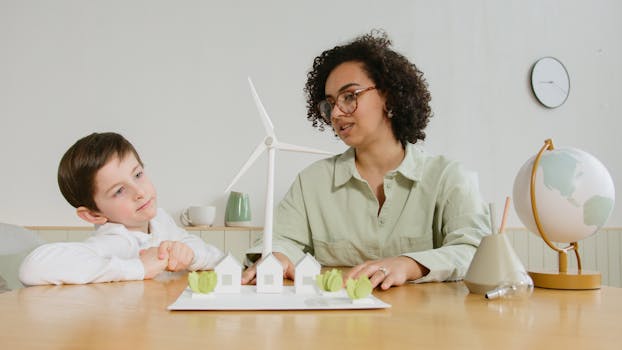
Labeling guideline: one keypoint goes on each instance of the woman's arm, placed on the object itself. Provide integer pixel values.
(461, 220)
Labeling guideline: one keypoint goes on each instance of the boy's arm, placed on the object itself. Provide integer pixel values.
(98, 259)
(205, 255)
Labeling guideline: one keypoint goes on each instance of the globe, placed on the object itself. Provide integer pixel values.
(574, 194)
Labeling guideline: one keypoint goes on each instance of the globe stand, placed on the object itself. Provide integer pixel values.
(561, 279)
(564, 279)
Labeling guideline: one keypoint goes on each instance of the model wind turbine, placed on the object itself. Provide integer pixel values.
(270, 143)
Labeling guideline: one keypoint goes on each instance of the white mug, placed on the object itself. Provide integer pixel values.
(198, 216)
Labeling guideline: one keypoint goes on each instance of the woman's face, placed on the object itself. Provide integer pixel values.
(368, 124)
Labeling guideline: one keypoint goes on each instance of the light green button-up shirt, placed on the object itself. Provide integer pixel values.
(433, 213)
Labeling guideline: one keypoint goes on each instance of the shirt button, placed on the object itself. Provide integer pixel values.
(381, 221)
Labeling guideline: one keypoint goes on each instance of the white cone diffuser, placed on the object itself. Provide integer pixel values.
(495, 262)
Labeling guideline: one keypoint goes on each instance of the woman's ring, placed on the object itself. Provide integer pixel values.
(383, 270)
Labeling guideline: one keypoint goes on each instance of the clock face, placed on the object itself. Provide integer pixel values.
(550, 82)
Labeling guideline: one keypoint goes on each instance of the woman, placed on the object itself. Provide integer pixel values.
(383, 206)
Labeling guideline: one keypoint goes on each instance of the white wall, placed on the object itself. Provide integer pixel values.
(171, 77)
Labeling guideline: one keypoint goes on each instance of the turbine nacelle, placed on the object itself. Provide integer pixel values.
(269, 141)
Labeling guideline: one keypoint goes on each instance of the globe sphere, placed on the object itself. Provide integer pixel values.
(574, 194)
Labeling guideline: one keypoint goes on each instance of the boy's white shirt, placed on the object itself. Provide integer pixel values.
(111, 254)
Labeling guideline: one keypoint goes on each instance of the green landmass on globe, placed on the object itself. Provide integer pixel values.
(560, 172)
(574, 193)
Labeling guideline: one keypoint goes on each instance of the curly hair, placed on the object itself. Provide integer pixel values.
(406, 91)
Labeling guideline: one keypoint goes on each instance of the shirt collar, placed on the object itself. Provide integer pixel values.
(345, 169)
(411, 167)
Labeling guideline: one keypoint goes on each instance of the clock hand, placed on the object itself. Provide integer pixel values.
(553, 83)
(562, 89)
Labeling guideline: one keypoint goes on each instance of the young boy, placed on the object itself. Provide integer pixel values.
(103, 177)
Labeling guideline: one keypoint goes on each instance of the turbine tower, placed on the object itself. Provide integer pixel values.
(271, 143)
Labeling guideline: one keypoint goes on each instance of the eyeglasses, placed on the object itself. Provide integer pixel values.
(346, 102)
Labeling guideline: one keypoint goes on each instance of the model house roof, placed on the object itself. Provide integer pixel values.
(308, 260)
(228, 261)
(270, 261)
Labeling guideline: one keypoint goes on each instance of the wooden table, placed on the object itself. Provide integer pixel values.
(133, 315)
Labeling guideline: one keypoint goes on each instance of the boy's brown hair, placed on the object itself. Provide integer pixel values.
(79, 165)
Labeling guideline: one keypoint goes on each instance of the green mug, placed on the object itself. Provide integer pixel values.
(238, 211)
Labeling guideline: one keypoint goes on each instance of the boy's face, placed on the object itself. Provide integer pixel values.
(124, 194)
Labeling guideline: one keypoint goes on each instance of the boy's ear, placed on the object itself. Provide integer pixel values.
(91, 216)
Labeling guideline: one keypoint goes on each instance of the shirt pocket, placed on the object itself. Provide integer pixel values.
(338, 253)
(415, 243)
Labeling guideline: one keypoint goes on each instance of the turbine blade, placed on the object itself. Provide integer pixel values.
(265, 119)
(260, 148)
(294, 148)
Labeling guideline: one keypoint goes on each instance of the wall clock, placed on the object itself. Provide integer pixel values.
(550, 82)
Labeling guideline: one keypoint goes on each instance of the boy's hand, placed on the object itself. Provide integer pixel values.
(178, 254)
(152, 263)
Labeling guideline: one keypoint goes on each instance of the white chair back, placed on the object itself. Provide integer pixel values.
(15, 243)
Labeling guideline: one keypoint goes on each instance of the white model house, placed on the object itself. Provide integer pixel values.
(269, 275)
(229, 272)
(307, 269)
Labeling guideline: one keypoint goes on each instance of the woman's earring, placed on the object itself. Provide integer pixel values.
(390, 114)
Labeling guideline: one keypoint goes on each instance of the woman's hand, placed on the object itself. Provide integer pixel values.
(389, 272)
(248, 276)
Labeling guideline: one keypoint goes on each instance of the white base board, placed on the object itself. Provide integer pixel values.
(249, 299)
